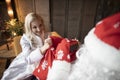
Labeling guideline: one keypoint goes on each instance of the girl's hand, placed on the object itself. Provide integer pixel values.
(47, 44)
(49, 41)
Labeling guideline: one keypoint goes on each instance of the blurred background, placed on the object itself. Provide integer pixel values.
(69, 18)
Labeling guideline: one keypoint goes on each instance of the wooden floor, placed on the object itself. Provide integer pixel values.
(4, 52)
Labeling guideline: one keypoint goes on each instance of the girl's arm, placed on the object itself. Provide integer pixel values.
(30, 55)
(33, 56)
(37, 54)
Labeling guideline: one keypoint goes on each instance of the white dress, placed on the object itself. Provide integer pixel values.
(25, 63)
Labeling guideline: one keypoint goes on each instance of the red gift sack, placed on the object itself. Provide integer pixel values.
(46, 62)
(52, 54)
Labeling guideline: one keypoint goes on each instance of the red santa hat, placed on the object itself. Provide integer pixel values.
(103, 42)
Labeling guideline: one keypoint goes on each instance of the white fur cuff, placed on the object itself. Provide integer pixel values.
(59, 71)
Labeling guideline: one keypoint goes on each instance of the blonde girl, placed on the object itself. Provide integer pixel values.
(33, 44)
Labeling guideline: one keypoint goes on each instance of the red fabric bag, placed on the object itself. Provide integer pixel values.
(50, 55)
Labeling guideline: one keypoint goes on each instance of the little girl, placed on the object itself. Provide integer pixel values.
(33, 45)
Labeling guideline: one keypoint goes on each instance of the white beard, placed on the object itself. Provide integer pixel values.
(87, 68)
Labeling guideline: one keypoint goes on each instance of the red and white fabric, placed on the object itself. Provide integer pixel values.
(59, 51)
(99, 57)
(107, 32)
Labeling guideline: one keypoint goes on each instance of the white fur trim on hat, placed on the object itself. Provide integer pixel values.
(59, 71)
(102, 52)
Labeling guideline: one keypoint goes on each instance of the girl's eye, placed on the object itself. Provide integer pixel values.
(34, 27)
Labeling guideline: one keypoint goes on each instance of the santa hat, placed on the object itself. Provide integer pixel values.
(103, 42)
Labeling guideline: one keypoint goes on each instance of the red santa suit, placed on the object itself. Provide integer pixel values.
(97, 59)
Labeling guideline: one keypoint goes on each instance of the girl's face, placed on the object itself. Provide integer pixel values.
(37, 27)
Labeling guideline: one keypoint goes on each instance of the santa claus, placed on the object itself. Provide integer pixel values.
(97, 59)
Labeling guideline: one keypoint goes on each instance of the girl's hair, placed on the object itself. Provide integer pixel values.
(28, 19)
